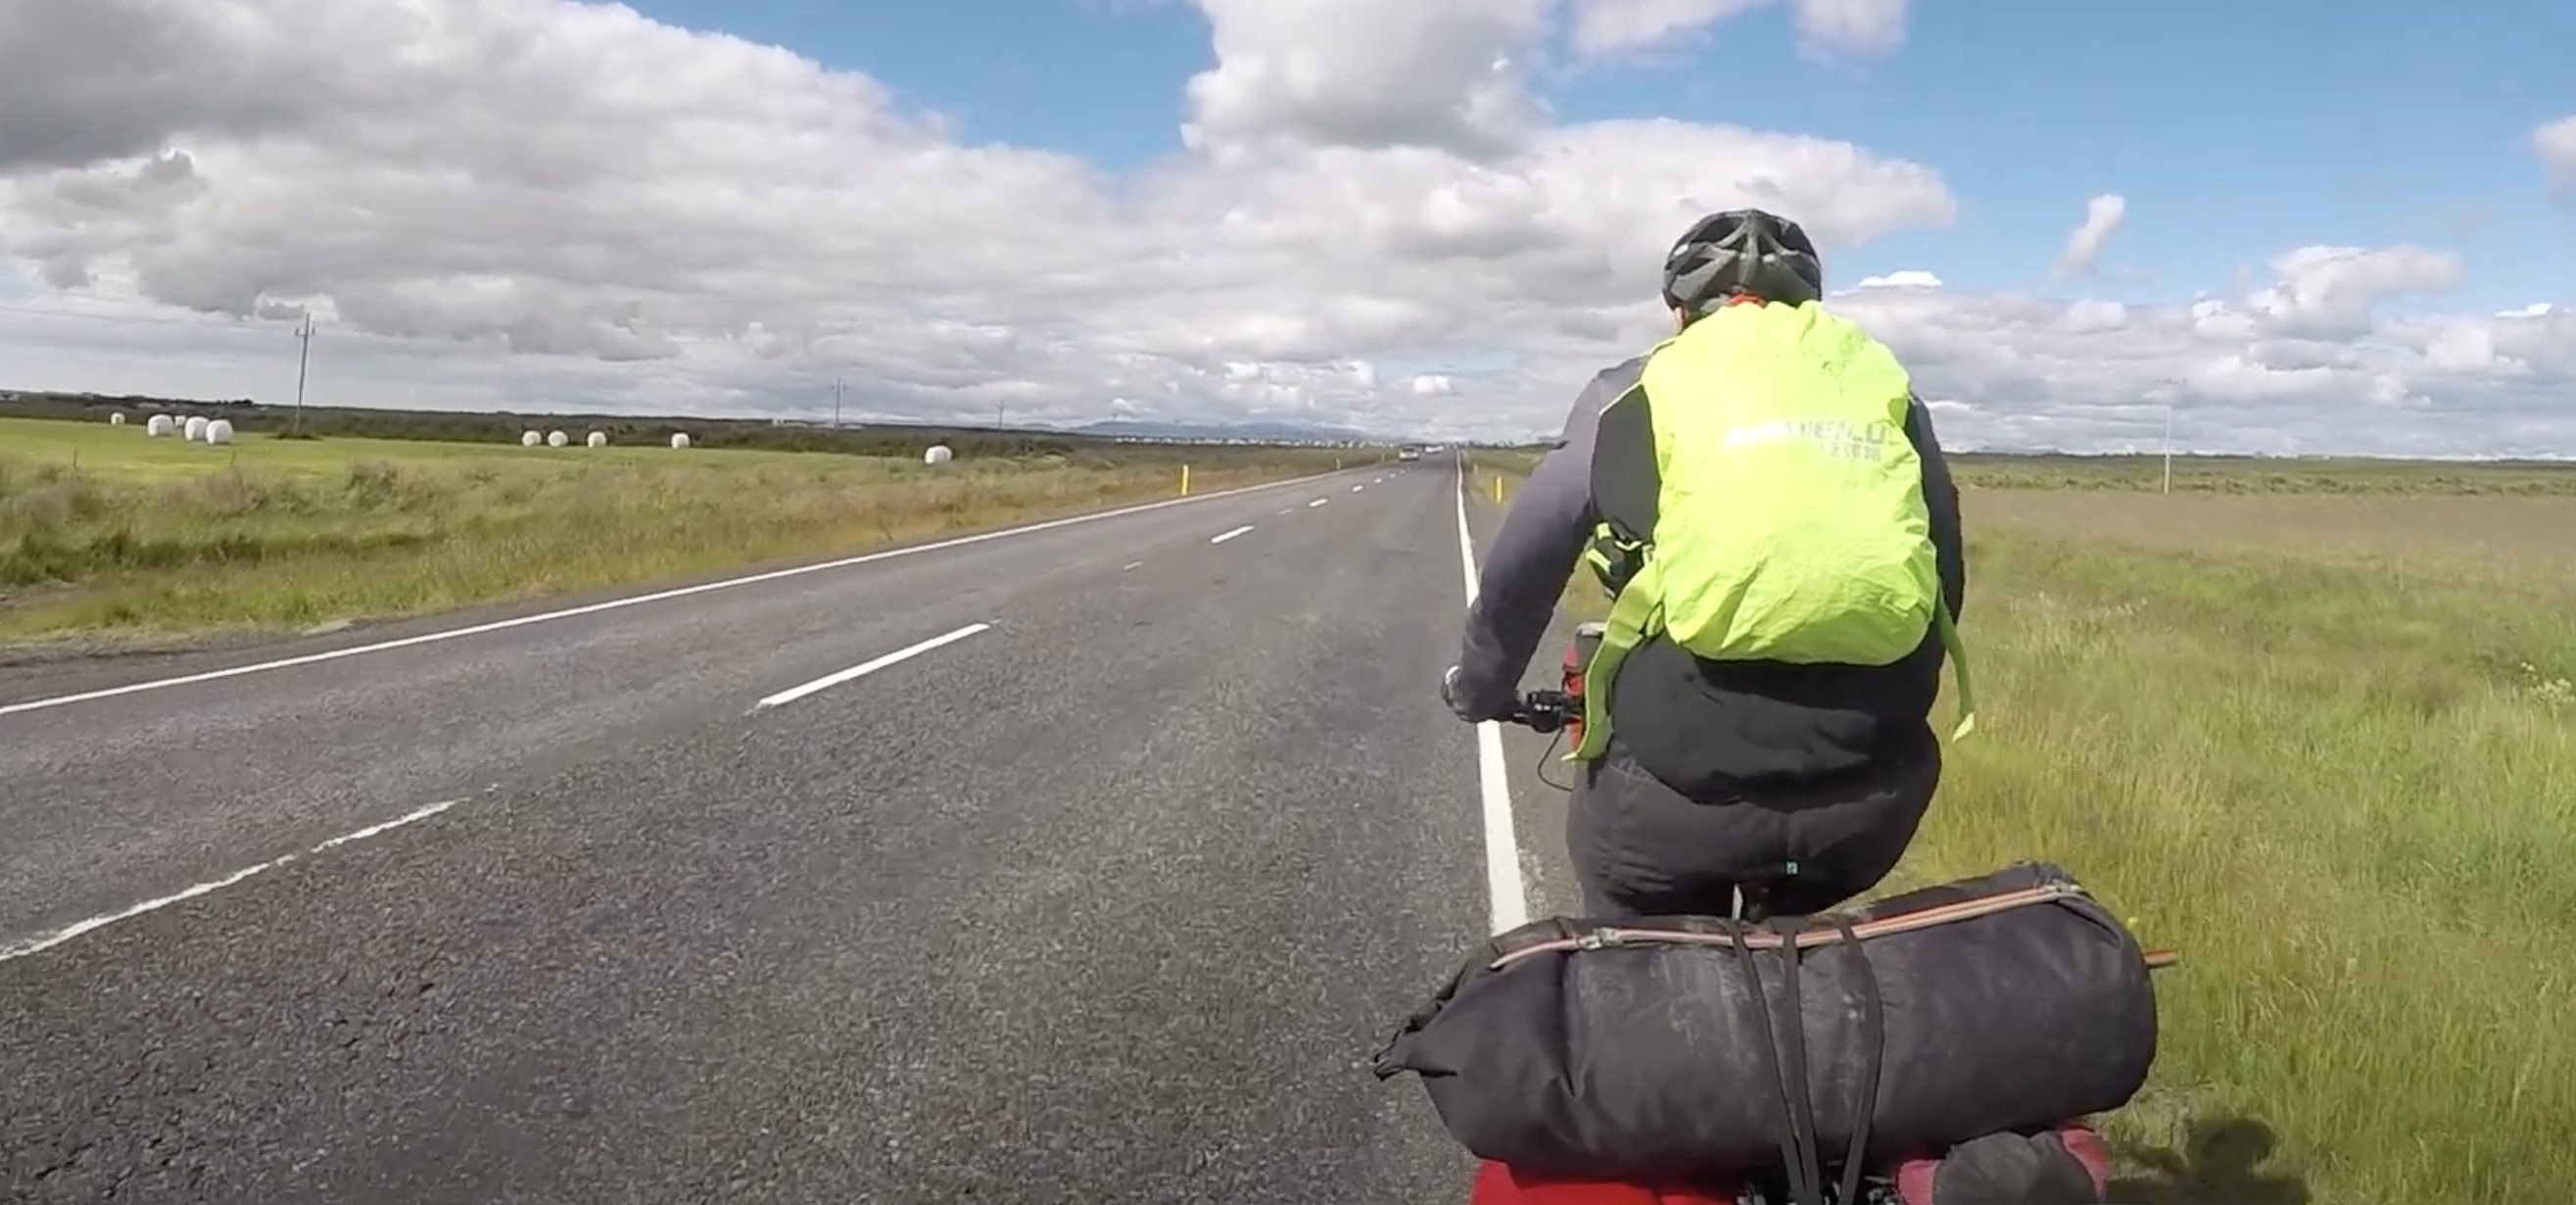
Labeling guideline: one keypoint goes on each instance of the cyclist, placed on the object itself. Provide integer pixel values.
(1801, 779)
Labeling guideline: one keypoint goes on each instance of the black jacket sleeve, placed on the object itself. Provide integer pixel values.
(1533, 555)
(1941, 494)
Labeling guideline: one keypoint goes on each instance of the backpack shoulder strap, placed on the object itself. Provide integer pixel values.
(1627, 485)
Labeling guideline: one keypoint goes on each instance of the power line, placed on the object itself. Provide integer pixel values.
(304, 330)
(209, 322)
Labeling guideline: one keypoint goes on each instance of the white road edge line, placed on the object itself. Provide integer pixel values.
(1222, 538)
(1502, 842)
(39, 945)
(629, 601)
(864, 668)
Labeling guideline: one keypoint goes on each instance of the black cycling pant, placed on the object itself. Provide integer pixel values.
(1640, 848)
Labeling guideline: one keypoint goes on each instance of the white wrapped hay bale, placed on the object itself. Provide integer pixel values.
(598, 439)
(219, 431)
(159, 425)
(938, 454)
(196, 429)
(116, 419)
(557, 439)
(680, 440)
(530, 439)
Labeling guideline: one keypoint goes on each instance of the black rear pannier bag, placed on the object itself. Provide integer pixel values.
(1663, 1048)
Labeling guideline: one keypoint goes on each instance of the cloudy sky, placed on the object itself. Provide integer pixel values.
(2298, 225)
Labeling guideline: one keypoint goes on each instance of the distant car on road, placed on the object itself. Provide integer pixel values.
(1408, 453)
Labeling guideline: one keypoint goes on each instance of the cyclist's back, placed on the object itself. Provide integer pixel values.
(1809, 777)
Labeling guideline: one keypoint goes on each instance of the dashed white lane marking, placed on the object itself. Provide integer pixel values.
(1222, 537)
(1132, 566)
(1357, 488)
(1287, 510)
(1317, 502)
(864, 668)
(629, 601)
(38, 945)
(1502, 843)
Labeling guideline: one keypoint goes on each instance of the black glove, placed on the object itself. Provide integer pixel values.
(1459, 704)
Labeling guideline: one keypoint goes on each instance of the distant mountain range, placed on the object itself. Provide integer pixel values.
(1195, 431)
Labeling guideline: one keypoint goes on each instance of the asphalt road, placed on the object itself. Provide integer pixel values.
(1109, 900)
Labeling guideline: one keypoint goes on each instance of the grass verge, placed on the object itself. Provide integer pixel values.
(2325, 752)
(105, 533)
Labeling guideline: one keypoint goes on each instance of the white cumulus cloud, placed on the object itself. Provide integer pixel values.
(2102, 218)
(2303, 364)
(540, 204)
(1857, 27)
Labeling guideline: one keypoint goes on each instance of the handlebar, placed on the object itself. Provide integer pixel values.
(1543, 711)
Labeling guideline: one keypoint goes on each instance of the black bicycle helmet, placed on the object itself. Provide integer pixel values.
(1742, 250)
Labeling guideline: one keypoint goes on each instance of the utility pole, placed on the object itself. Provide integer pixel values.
(999, 409)
(2172, 389)
(836, 403)
(303, 365)
(2169, 416)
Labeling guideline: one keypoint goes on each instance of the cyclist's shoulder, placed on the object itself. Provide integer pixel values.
(1605, 387)
(1619, 377)
(1607, 384)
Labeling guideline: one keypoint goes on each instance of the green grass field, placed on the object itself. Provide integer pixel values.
(2320, 742)
(107, 534)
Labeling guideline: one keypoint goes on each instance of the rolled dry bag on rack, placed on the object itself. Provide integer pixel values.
(1631, 1049)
